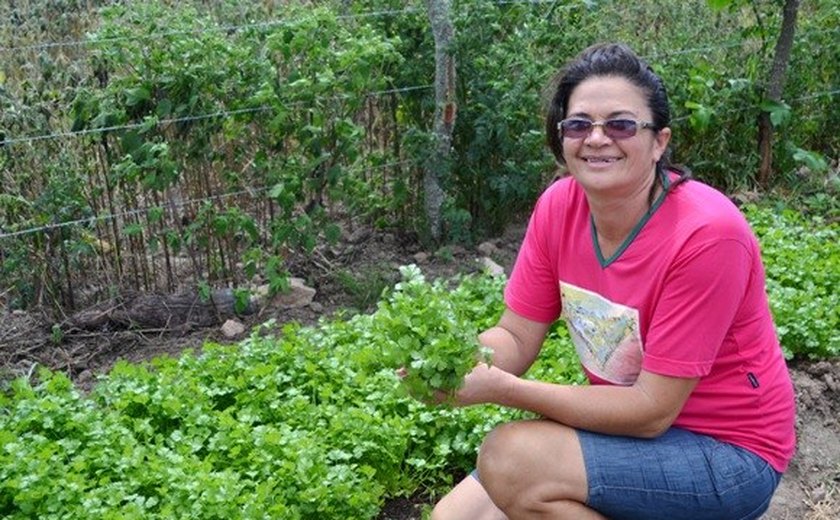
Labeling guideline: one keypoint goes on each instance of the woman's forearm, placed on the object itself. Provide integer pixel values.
(509, 354)
(645, 409)
(515, 341)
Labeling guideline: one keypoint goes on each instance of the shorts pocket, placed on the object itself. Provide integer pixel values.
(730, 467)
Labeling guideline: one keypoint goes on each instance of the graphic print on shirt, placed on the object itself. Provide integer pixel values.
(605, 334)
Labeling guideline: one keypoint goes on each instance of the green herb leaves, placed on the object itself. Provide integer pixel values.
(426, 335)
(310, 424)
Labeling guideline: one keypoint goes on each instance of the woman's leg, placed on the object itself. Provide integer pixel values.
(467, 501)
(542, 469)
(528, 469)
(535, 469)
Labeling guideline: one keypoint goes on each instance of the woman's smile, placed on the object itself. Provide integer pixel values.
(601, 161)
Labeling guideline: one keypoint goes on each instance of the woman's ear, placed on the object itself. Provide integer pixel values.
(660, 143)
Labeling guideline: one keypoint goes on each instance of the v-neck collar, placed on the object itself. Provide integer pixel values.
(605, 262)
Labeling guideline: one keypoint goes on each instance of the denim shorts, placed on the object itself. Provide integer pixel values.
(677, 475)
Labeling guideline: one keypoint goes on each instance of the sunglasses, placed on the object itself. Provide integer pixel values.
(576, 128)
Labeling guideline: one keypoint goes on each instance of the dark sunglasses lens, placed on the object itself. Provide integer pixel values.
(576, 128)
(620, 128)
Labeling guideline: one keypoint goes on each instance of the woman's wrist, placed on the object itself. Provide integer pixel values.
(505, 388)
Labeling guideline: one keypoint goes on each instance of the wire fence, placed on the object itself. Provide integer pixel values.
(265, 108)
(133, 227)
(250, 192)
(186, 119)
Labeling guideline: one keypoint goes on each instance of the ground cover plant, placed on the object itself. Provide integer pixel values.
(802, 260)
(311, 424)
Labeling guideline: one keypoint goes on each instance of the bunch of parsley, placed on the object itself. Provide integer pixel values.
(424, 334)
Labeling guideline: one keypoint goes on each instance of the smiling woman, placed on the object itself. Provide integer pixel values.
(617, 170)
(690, 409)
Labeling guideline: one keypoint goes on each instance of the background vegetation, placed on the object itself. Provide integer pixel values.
(164, 146)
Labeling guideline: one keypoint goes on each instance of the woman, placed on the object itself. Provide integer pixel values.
(690, 413)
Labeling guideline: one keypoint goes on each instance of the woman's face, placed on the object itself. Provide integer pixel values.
(612, 167)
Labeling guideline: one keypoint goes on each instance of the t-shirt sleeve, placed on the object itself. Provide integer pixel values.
(701, 296)
(533, 290)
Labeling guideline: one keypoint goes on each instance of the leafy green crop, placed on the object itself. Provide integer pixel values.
(311, 424)
(427, 336)
(315, 423)
(802, 261)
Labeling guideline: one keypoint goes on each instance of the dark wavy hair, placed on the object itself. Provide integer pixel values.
(610, 59)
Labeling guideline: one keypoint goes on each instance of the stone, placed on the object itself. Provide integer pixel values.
(261, 292)
(491, 267)
(299, 295)
(232, 329)
(487, 248)
(421, 257)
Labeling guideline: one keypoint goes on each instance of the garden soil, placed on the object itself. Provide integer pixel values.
(350, 275)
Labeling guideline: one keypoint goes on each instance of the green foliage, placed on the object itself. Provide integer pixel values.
(779, 112)
(802, 260)
(501, 159)
(321, 72)
(814, 161)
(311, 424)
(425, 335)
(223, 135)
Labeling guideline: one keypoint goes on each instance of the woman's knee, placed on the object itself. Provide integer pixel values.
(518, 457)
(504, 450)
(503, 461)
(441, 512)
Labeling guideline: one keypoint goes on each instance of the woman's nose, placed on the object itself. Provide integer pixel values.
(597, 135)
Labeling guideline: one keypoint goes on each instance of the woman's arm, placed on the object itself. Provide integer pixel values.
(516, 341)
(645, 409)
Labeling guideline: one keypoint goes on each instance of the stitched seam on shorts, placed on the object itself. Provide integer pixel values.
(761, 475)
(600, 488)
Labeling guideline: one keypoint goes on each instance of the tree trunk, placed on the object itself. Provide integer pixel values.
(774, 90)
(445, 108)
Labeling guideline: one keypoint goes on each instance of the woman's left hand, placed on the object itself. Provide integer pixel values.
(485, 384)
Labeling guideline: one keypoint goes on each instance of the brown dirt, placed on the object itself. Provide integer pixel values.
(350, 276)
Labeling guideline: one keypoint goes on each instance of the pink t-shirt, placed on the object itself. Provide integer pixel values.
(684, 296)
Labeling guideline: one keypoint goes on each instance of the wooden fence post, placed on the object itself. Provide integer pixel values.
(440, 16)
